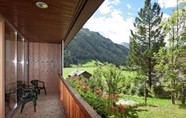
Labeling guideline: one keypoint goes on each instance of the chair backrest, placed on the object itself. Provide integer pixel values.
(26, 93)
(34, 82)
(29, 95)
(24, 86)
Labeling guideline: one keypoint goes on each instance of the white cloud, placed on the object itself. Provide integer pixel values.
(128, 6)
(129, 13)
(114, 27)
(105, 8)
(165, 16)
(167, 3)
(115, 2)
(111, 25)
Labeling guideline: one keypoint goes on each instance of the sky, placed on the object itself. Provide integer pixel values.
(114, 18)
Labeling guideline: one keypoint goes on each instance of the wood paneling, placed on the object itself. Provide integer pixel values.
(27, 17)
(51, 25)
(45, 64)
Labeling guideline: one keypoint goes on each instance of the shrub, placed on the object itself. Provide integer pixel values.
(102, 90)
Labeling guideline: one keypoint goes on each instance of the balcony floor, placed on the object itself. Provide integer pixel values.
(48, 106)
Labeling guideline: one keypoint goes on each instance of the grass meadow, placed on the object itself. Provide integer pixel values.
(156, 108)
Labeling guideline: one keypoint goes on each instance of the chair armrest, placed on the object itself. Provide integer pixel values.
(28, 91)
(32, 86)
(42, 83)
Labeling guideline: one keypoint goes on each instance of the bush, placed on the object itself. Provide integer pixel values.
(102, 90)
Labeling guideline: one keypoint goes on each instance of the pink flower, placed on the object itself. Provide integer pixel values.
(112, 107)
(84, 87)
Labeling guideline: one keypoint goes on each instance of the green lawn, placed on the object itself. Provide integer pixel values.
(156, 108)
(84, 63)
(90, 70)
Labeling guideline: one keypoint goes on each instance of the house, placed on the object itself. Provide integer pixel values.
(78, 73)
(33, 35)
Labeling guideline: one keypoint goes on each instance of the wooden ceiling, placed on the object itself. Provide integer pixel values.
(60, 21)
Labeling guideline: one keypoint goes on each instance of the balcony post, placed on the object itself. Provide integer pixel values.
(62, 57)
(2, 68)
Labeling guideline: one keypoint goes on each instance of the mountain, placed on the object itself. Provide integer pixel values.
(125, 44)
(88, 45)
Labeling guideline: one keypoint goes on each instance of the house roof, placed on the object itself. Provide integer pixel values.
(60, 21)
(76, 72)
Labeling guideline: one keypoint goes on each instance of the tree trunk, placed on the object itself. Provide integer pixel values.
(145, 94)
(183, 94)
(172, 97)
(150, 80)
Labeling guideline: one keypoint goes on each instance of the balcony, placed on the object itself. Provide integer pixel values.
(65, 104)
(32, 41)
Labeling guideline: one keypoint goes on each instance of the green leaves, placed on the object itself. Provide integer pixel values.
(108, 77)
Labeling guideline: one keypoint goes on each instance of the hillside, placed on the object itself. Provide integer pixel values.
(125, 44)
(87, 45)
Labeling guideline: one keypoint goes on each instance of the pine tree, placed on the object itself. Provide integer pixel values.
(146, 39)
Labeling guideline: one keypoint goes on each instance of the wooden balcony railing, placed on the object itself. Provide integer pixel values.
(75, 105)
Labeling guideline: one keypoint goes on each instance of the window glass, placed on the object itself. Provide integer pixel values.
(20, 62)
(10, 70)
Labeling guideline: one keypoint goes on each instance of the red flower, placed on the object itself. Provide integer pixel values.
(98, 91)
(116, 108)
(120, 105)
(112, 111)
(121, 108)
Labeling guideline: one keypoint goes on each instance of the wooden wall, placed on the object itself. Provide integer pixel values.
(45, 64)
